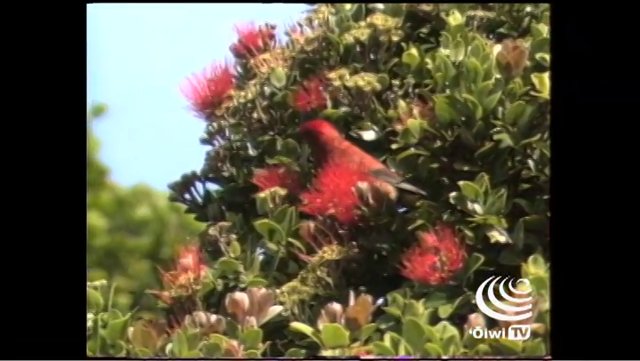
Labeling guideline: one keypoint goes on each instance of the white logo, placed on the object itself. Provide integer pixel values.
(519, 309)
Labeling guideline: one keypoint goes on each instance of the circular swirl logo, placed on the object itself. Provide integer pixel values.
(521, 307)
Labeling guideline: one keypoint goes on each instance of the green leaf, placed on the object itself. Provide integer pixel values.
(432, 350)
(278, 78)
(504, 140)
(94, 301)
(535, 348)
(211, 349)
(270, 231)
(415, 126)
(118, 349)
(432, 335)
(116, 329)
(507, 347)
(542, 83)
(257, 282)
(252, 354)
(296, 353)
(393, 311)
(413, 333)
(444, 66)
(490, 102)
(411, 58)
(143, 353)
(482, 350)
(180, 344)
(515, 112)
(542, 45)
(436, 299)
(228, 265)
(381, 349)
(544, 59)
(235, 249)
(444, 311)
(470, 190)
(334, 336)
(306, 330)
(457, 51)
(366, 331)
(474, 72)
(473, 263)
(475, 106)
(251, 338)
(444, 110)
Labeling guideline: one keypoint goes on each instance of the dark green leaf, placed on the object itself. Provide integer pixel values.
(510, 256)
(334, 335)
(490, 102)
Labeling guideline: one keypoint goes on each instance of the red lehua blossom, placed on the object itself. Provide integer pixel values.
(277, 176)
(333, 193)
(190, 261)
(208, 90)
(310, 95)
(438, 255)
(252, 40)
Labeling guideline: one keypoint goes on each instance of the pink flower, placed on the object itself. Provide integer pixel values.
(252, 40)
(436, 258)
(277, 176)
(208, 90)
(333, 193)
(310, 95)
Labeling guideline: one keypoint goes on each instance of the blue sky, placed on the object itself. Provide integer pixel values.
(138, 55)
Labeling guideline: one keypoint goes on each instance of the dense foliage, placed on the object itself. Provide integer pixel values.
(301, 257)
(130, 231)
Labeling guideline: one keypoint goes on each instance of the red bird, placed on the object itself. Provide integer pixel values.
(328, 145)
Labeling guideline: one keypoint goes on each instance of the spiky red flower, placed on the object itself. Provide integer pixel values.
(310, 95)
(208, 90)
(277, 176)
(190, 260)
(252, 40)
(437, 256)
(333, 193)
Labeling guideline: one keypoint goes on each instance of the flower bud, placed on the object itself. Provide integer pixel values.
(331, 313)
(237, 304)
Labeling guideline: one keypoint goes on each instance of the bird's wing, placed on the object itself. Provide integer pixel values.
(388, 176)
